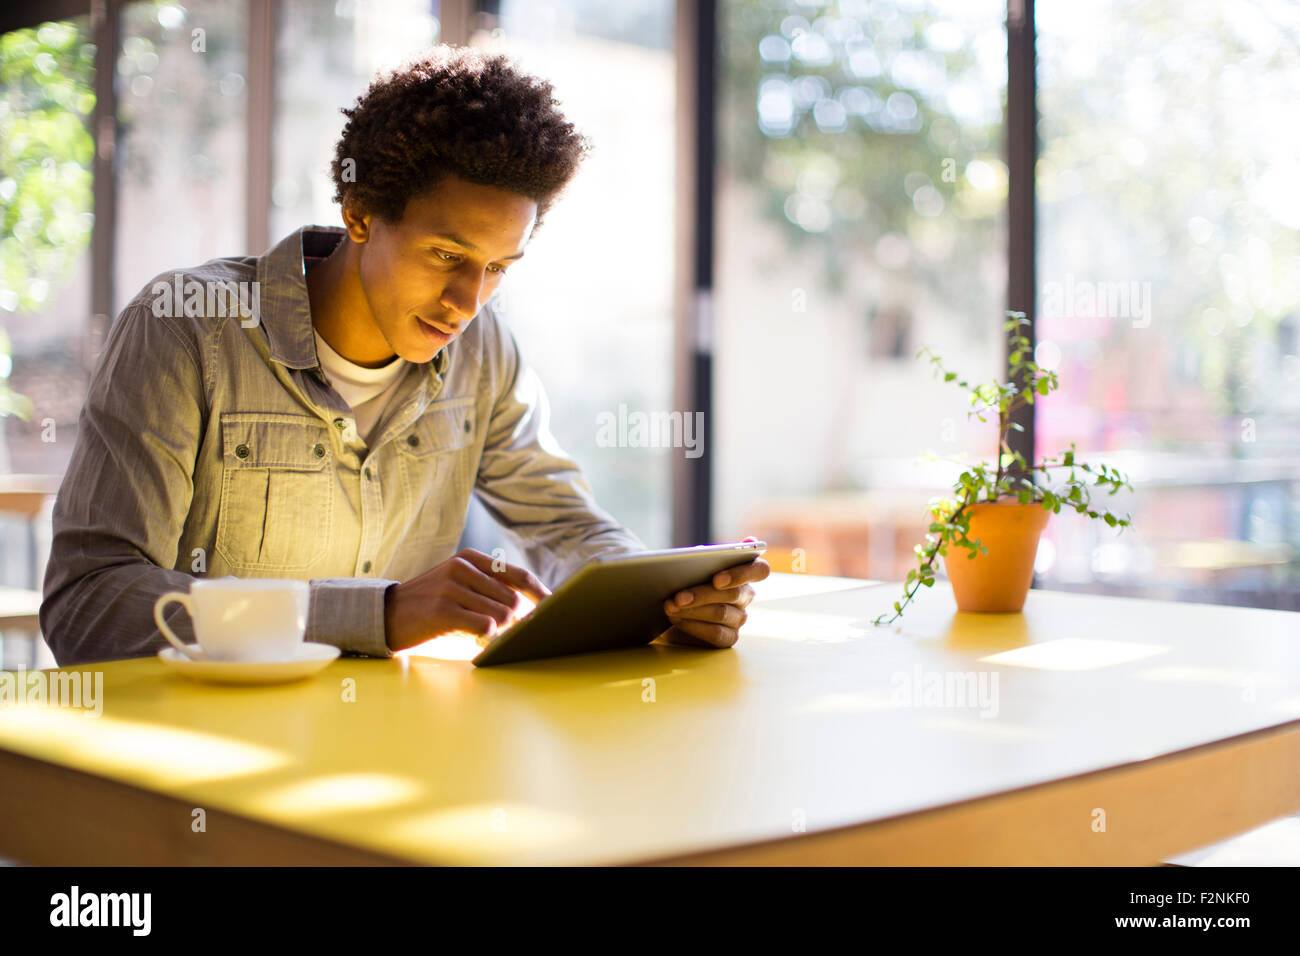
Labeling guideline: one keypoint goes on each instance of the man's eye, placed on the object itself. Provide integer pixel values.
(499, 270)
(446, 256)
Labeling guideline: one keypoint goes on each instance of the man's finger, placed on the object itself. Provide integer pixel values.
(755, 570)
(714, 635)
(726, 614)
(704, 594)
(524, 580)
(480, 603)
(474, 571)
(510, 577)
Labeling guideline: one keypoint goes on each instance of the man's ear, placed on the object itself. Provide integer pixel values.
(356, 222)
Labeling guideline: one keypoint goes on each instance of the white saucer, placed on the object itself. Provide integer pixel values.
(310, 658)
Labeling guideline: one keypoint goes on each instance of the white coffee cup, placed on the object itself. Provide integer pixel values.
(241, 619)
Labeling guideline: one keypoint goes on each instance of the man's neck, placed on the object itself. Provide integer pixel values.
(339, 310)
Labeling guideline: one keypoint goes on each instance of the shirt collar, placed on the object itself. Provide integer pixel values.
(285, 306)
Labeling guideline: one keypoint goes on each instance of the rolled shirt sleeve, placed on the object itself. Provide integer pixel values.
(532, 487)
(349, 613)
(119, 513)
(126, 497)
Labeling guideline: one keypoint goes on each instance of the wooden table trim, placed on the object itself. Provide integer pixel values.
(56, 816)
(1155, 809)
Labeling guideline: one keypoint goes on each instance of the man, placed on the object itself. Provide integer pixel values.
(333, 428)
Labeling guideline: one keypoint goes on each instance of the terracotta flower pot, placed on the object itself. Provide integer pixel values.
(999, 580)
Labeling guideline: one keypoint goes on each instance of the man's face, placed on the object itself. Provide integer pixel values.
(426, 277)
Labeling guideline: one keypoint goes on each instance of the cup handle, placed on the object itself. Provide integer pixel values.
(180, 598)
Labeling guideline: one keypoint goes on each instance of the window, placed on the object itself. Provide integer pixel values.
(1169, 291)
(46, 98)
(182, 138)
(861, 198)
(326, 54)
(591, 303)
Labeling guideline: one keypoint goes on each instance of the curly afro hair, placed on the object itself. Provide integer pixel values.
(455, 111)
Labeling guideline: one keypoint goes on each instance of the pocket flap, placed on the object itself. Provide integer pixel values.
(274, 440)
(444, 426)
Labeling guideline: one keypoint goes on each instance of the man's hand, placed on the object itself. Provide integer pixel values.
(715, 611)
(462, 595)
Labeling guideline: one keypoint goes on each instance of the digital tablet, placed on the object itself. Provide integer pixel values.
(613, 601)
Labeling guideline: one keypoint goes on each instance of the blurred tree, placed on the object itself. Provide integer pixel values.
(873, 133)
(1165, 157)
(46, 95)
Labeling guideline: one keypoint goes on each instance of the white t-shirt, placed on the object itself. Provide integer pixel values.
(366, 390)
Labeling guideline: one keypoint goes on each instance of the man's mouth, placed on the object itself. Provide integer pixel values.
(434, 327)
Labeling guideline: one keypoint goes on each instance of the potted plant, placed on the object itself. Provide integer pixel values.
(997, 512)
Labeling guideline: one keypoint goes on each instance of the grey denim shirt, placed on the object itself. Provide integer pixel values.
(212, 444)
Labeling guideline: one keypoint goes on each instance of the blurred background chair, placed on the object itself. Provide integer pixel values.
(28, 498)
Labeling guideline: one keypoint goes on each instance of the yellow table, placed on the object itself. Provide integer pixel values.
(1109, 730)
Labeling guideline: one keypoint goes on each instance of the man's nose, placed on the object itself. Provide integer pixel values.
(463, 294)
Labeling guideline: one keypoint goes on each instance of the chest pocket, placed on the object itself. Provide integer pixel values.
(277, 491)
(438, 459)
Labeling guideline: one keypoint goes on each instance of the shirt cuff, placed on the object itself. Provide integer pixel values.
(349, 613)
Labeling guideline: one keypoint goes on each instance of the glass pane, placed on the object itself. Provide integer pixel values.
(860, 217)
(182, 150)
(1169, 277)
(326, 54)
(47, 95)
(591, 304)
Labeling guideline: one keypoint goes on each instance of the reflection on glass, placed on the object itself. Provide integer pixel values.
(1169, 290)
(182, 137)
(591, 304)
(860, 206)
(47, 95)
(326, 55)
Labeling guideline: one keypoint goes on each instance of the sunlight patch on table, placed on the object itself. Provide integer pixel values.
(449, 647)
(484, 831)
(857, 703)
(339, 793)
(806, 626)
(146, 752)
(778, 585)
(1075, 654)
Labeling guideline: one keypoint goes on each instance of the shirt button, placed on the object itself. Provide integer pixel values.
(413, 440)
(467, 425)
(319, 451)
(339, 423)
(241, 451)
(365, 568)
(367, 474)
